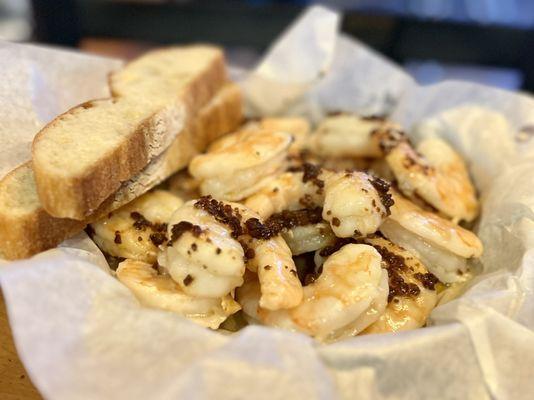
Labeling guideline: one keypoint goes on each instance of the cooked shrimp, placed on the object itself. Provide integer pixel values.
(136, 230)
(347, 135)
(203, 258)
(273, 262)
(437, 174)
(353, 202)
(160, 291)
(348, 296)
(208, 259)
(286, 192)
(237, 165)
(277, 273)
(441, 245)
(298, 127)
(412, 294)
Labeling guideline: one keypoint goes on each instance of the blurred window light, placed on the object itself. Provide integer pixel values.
(432, 9)
(492, 11)
(427, 72)
(15, 20)
(518, 13)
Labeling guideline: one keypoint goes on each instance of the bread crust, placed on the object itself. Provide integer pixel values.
(23, 235)
(77, 196)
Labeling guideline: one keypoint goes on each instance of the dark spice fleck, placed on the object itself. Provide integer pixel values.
(141, 223)
(278, 222)
(336, 221)
(181, 227)
(307, 201)
(267, 267)
(249, 253)
(395, 264)
(311, 173)
(118, 239)
(159, 227)
(188, 280)
(382, 187)
(257, 229)
(218, 250)
(158, 238)
(389, 137)
(194, 247)
(428, 280)
(139, 239)
(223, 213)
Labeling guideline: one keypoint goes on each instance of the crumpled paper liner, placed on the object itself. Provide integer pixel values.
(37, 85)
(82, 335)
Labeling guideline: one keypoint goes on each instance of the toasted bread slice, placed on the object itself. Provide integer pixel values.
(26, 228)
(82, 156)
(222, 115)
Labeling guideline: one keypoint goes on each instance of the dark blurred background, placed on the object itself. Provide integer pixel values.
(486, 41)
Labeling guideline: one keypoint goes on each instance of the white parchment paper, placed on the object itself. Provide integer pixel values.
(82, 335)
(36, 85)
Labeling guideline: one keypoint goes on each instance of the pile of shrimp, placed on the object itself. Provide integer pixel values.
(345, 229)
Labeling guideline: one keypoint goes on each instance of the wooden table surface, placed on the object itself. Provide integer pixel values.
(14, 381)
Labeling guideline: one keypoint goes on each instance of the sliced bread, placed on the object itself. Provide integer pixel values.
(82, 156)
(26, 228)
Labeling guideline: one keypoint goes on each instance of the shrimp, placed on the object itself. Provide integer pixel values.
(298, 127)
(437, 174)
(277, 273)
(272, 260)
(203, 257)
(353, 202)
(348, 135)
(160, 291)
(236, 165)
(136, 230)
(441, 245)
(412, 295)
(349, 295)
(211, 249)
